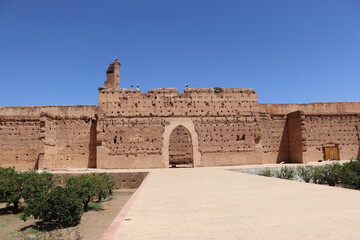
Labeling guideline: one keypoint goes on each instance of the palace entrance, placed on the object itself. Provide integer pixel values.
(180, 148)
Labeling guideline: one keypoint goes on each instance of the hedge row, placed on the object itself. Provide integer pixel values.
(44, 198)
(345, 175)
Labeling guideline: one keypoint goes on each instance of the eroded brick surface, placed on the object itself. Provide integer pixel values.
(275, 137)
(20, 142)
(341, 129)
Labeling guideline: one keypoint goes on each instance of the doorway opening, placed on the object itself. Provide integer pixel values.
(180, 148)
(331, 151)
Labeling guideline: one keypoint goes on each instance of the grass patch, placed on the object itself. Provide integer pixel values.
(95, 206)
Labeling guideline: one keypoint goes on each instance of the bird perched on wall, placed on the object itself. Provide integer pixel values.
(115, 59)
(186, 86)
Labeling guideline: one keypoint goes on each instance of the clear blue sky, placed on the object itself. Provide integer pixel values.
(57, 52)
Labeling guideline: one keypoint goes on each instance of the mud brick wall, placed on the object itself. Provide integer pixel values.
(220, 135)
(296, 141)
(342, 129)
(48, 137)
(311, 108)
(131, 136)
(275, 138)
(129, 180)
(193, 102)
(132, 126)
(69, 142)
(130, 129)
(61, 110)
(129, 142)
(20, 142)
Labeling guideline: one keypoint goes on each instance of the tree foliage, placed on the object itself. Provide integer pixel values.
(61, 205)
(87, 187)
(104, 184)
(11, 185)
(83, 186)
(17, 185)
(37, 184)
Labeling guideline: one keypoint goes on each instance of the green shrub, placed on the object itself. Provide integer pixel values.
(286, 173)
(266, 172)
(10, 187)
(350, 175)
(318, 176)
(305, 172)
(84, 186)
(327, 174)
(8, 191)
(104, 184)
(61, 206)
(16, 185)
(110, 182)
(37, 184)
(332, 173)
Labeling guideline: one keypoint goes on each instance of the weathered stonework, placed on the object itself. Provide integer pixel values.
(20, 141)
(275, 138)
(161, 128)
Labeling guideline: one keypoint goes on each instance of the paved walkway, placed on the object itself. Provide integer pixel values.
(213, 203)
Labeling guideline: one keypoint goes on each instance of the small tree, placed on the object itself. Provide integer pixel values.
(61, 205)
(11, 186)
(84, 186)
(110, 182)
(104, 184)
(37, 184)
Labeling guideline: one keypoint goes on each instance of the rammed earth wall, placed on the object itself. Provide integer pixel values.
(134, 128)
(131, 129)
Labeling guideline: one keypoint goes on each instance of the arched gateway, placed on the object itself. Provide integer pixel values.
(180, 147)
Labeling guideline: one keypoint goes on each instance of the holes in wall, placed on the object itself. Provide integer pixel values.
(240, 138)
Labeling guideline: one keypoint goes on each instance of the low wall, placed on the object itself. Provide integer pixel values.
(123, 180)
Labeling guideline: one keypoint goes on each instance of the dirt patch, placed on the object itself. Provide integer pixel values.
(92, 226)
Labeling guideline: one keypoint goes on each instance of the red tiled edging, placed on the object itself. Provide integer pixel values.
(110, 232)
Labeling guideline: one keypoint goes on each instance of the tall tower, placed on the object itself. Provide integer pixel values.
(113, 75)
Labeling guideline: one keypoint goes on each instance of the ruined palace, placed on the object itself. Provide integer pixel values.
(163, 128)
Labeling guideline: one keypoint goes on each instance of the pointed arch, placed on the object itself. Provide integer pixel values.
(180, 147)
(188, 124)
